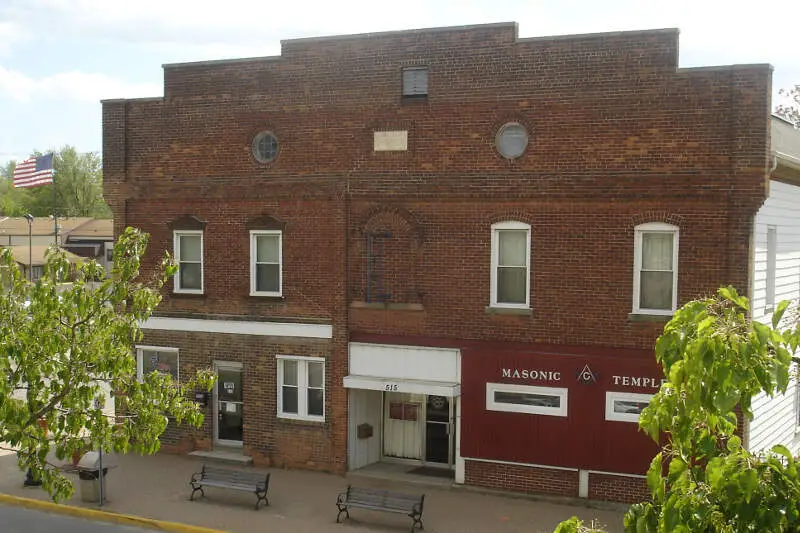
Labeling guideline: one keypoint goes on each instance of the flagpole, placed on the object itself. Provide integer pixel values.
(55, 201)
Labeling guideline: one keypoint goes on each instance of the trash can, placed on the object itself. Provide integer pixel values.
(90, 484)
(89, 476)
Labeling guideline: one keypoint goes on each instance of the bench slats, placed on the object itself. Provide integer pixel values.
(225, 478)
(235, 486)
(382, 500)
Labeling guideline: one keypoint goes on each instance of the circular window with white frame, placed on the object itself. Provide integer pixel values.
(511, 140)
(265, 147)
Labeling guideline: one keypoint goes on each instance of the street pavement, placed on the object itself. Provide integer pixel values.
(157, 487)
(21, 520)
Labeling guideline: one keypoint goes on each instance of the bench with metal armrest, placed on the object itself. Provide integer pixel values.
(227, 478)
(382, 500)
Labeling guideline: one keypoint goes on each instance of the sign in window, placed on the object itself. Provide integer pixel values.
(551, 401)
(625, 406)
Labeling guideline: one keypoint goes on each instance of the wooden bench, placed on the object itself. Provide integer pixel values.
(225, 478)
(382, 500)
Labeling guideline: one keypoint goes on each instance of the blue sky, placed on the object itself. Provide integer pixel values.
(59, 58)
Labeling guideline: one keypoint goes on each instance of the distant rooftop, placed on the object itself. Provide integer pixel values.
(36, 256)
(44, 226)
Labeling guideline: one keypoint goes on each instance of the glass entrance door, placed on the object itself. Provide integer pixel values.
(437, 430)
(229, 403)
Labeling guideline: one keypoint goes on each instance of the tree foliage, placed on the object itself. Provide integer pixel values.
(790, 112)
(76, 192)
(65, 346)
(716, 360)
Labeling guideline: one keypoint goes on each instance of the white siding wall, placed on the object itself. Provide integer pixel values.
(366, 407)
(775, 418)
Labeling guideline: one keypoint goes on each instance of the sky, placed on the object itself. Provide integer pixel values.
(59, 58)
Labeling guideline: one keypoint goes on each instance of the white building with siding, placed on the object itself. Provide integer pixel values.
(775, 275)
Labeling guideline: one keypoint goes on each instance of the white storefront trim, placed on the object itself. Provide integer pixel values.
(512, 463)
(240, 327)
(401, 362)
(620, 474)
(431, 388)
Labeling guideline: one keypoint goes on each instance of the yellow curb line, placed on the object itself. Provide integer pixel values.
(105, 516)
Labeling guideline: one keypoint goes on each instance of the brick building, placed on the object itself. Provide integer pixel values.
(449, 248)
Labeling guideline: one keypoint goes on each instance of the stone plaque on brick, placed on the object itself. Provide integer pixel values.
(385, 141)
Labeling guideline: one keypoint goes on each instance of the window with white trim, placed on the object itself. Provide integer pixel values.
(625, 406)
(655, 281)
(511, 258)
(157, 359)
(551, 401)
(301, 387)
(266, 262)
(189, 258)
(772, 266)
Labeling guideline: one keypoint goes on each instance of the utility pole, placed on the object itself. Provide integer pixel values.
(29, 218)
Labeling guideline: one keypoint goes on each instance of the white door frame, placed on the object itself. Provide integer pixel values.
(224, 365)
(452, 435)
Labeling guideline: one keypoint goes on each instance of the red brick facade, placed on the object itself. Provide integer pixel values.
(520, 478)
(618, 136)
(617, 488)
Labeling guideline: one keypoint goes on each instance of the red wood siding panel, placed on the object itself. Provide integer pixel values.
(583, 439)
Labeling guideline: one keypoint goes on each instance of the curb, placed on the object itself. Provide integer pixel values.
(104, 516)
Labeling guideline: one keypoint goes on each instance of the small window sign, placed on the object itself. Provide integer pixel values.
(535, 400)
(625, 406)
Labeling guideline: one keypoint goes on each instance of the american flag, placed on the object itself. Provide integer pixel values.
(34, 171)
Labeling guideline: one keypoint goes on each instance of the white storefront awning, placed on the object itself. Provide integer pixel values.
(412, 386)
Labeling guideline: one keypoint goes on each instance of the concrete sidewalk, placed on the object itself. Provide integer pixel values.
(157, 487)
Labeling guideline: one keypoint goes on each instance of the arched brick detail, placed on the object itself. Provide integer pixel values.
(265, 221)
(511, 215)
(369, 218)
(189, 222)
(393, 238)
(656, 215)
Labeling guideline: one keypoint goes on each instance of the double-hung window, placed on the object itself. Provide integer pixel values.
(301, 387)
(189, 257)
(266, 258)
(511, 257)
(655, 283)
(157, 359)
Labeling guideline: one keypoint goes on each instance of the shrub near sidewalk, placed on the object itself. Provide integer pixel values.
(65, 346)
(715, 359)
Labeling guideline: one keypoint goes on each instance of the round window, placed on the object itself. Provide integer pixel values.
(265, 147)
(512, 139)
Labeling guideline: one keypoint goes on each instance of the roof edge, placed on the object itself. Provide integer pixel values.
(388, 33)
(600, 35)
(220, 61)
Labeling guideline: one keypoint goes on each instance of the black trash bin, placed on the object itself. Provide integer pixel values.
(89, 476)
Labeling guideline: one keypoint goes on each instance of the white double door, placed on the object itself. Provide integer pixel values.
(418, 427)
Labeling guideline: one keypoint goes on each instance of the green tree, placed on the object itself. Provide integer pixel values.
(63, 346)
(76, 192)
(790, 112)
(716, 360)
(13, 201)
